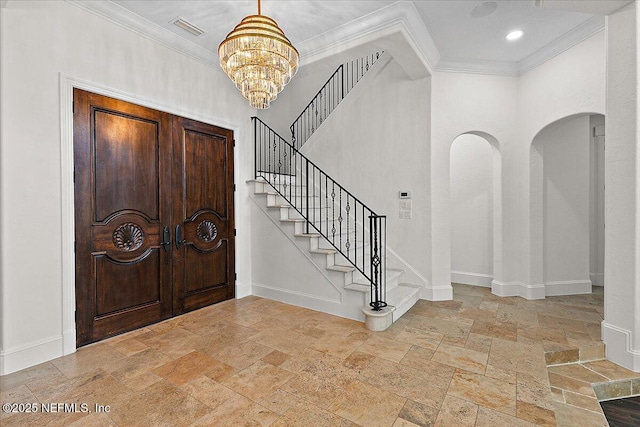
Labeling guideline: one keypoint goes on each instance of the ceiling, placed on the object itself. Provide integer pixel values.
(460, 39)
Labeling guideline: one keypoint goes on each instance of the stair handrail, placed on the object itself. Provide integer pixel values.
(343, 79)
(275, 159)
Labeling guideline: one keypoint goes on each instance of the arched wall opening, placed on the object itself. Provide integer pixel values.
(567, 206)
(476, 209)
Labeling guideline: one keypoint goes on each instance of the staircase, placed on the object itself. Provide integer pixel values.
(340, 233)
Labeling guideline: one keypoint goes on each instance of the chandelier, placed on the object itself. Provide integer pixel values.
(259, 59)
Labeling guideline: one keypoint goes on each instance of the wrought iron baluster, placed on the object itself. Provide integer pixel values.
(340, 217)
(363, 237)
(348, 245)
(293, 134)
(355, 232)
(333, 211)
(374, 265)
(280, 164)
(274, 159)
(269, 163)
(313, 111)
(326, 195)
(307, 188)
(320, 198)
(324, 105)
(313, 198)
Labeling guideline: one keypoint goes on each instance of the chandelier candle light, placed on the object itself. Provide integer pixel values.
(259, 59)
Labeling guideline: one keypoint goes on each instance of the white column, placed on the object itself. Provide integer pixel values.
(621, 327)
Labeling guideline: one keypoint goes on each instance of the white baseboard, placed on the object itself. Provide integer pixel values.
(351, 309)
(474, 279)
(567, 287)
(518, 289)
(69, 341)
(243, 290)
(597, 279)
(501, 289)
(618, 345)
(441, 293)
(30, 354)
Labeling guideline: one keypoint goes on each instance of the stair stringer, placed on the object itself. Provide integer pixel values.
(355, 292)
(322, 290)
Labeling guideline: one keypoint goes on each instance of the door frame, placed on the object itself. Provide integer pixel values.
(68, 264)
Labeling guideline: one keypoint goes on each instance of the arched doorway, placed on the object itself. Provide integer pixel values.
(476, 209)
(567, 205)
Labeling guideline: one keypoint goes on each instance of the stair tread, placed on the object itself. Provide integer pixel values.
(308, 235)
(392, 273)
(358, 287)
(401, 293)
(341, 268)
(323, 251)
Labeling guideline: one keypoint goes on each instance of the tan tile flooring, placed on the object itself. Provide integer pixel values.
(479, 360)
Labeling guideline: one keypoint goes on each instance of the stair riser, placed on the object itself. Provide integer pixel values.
(288, 213)
(265, 187)
(392, 279)
(401, 309)
(300, 202)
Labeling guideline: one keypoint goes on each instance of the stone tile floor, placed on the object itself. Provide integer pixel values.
(478, 360)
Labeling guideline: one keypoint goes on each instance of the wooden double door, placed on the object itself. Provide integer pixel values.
(153, 215)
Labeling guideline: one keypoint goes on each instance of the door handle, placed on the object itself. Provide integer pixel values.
(179, 239)
(166, 238)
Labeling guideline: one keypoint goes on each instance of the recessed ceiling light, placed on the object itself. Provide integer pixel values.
(484, 9)
(514, 35)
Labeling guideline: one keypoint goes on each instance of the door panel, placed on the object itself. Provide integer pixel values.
(139, 171)
(122, 195)
(126, 164)
(137, 285)
(203, 180)
(206, 269)
(205, 172)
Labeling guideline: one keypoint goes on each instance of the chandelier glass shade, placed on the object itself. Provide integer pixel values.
(259, 59)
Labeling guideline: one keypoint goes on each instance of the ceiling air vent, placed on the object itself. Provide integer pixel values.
(187, 26)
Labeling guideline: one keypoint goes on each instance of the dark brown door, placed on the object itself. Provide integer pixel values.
(129, 186)
(203, 210)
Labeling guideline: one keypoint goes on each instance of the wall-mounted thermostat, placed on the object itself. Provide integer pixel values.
(404, 194)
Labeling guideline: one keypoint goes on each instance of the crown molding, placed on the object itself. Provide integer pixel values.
(399, 17)
(478, 66)
(394, 27)
(119, 15)
(563, 43)
(515, 69)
